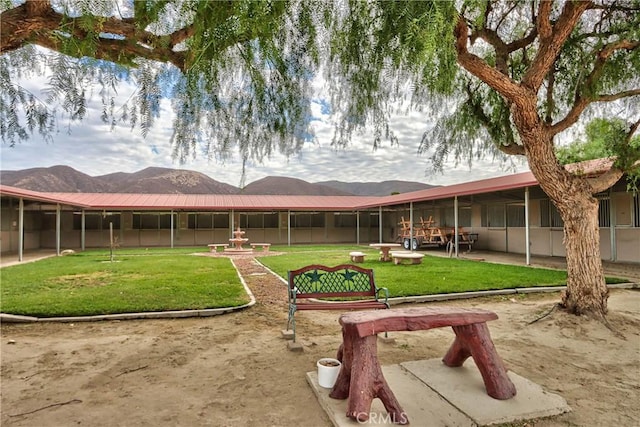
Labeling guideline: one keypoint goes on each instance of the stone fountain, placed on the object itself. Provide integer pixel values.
(236, 243)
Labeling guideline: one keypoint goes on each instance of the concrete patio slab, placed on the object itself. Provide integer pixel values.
(463, 388)
(423, 406)
(433, 395)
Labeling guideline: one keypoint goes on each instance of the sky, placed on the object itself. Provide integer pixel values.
(91, 147)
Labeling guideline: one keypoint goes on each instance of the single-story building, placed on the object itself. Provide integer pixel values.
(508, 214)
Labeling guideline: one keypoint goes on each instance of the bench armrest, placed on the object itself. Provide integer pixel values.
(385, 291)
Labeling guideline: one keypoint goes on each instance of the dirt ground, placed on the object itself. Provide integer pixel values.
(236, 370)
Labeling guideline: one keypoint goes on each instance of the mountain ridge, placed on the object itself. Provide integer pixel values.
(158, 180)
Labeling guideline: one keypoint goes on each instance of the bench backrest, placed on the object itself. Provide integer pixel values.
(320, 281)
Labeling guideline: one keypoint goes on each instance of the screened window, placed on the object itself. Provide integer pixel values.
(604, 212)
(152, 221)
(515, 216)
(96, 221)
(369, 219)
(449, 219)
(165, 221)
(221, 220)
(203, 221)
(49, 221)
(344, 220)
(271, 220)
(307, 220)
(493, 216)
(549, 215)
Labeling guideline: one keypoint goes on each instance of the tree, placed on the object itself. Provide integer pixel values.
(512, 75)
(568, 56)
(530, 70)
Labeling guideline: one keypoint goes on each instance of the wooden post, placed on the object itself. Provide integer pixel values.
(364, 382)
(475, 340)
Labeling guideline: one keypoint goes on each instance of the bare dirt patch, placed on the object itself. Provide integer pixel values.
(235, 369)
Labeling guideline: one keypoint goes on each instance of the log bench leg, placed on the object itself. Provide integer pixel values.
(363, 381)
(474, 340)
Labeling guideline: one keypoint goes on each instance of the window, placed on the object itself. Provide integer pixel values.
(549, 215)
(344, 220)
(203, 221)
(221, 220)
(493, 216)
(604, 211)
(165, 221)
(515, 216)
(369, 219)
(152, 221)
(307, 220)
(448, 218)
(271, 220)
(636, 210)
(96, 221)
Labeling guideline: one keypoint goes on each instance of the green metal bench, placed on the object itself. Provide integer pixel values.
(354, 284)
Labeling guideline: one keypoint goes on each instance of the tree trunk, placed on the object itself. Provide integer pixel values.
(586, 292)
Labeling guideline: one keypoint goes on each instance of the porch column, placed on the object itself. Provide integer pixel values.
(455, 224)
(357, 227)
(411, 226)
(172, 228)
(527, 236)
(379, 224)
(83, 229)
(289, 228)
(58, 221)
(232, 222)
(20, 229)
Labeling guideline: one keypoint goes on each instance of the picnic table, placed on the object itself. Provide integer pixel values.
(385, 248)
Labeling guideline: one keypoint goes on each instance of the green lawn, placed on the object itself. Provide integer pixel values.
(139, 280)
(87, 283)
(434, 276)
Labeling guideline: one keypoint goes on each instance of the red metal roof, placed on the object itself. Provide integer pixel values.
(284, 202)
(6, 190)
(490, 185)
(194, 201)
(266, 202)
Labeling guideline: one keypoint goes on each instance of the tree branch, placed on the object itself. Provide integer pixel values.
(479, 68)
(36, 22)
(551, 39)
(605, 181)
(616, 96)
(583, 99)
(543, 23)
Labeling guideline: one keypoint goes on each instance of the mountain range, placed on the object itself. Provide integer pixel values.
(154, 180)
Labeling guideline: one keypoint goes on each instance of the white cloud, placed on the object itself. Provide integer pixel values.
(93, 148)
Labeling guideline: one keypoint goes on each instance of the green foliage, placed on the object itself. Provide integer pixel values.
(242, 75)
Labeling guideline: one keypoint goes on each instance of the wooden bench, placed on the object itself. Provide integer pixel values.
(415, 258)
(347, 281)
(213, 247)
(361, 380)
(357, 256)
(265, 246)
